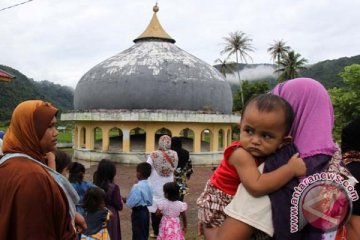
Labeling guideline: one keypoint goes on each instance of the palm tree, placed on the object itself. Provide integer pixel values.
(239, 44)
(289, 66)
(225, 66)
(278, 50)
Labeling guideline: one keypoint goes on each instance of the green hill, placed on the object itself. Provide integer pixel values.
(22, 88)
(327, 72)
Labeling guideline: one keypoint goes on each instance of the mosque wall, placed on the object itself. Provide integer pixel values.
(92, 140)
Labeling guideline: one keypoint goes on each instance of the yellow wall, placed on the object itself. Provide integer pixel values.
(84, 136)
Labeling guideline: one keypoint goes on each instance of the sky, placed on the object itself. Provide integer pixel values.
(60, 40)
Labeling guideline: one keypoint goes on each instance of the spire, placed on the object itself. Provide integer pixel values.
(154, 30)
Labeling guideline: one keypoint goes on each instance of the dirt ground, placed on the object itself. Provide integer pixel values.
(126, 177)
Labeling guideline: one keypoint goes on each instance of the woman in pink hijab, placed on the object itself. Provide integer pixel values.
(312, 137)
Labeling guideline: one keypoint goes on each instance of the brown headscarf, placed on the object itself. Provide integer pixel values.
(32, 204)
(28, 124)
(165, 160)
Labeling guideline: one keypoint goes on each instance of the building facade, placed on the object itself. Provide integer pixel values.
(125, 103)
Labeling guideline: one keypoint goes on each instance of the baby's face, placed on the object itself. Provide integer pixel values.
(261, 133)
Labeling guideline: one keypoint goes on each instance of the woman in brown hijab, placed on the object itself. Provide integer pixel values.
(32, 204)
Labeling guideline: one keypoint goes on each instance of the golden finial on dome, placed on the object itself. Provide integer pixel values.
(154, 30)
(156, 8)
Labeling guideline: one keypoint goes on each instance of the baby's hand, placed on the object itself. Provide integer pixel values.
(297, 164)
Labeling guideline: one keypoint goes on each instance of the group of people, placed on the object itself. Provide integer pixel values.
(159, 193)
(36, 201)
(44, 195)
(285, 137)
(170, 164)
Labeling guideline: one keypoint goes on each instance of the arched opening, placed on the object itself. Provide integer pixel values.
(98, 138)
(206, 140)
(187, 138)
(221, 140)
(75, 140)
(228, 142)
(115, 139)
(137, 140)
(159, 133)
(235, 132)
(82, 137)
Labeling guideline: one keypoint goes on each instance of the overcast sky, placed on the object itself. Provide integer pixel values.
(60, 40)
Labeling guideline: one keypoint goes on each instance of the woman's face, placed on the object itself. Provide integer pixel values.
(49, 140)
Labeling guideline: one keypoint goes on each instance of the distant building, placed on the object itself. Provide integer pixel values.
(61, 128)
(5, 76)
(125, 103)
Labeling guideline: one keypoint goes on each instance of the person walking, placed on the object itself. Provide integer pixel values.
(171, 210)
(184, 169)
(139, 198)
(163, 161)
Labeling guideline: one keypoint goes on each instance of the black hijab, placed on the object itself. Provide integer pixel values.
(183, 154)
(350, 137)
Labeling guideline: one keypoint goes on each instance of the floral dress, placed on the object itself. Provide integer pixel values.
(170, 225)
(181, 175)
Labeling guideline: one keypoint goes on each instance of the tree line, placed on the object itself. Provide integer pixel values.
(289, 64)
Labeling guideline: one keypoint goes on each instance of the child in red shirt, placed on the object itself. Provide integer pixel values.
(265, 123)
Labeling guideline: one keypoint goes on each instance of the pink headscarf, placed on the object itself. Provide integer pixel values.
(314, 115)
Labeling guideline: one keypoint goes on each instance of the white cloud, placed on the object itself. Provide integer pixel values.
(60, 41)
(259, 72)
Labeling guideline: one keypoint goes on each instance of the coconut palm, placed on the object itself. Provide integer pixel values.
(290, 65)
(278, 50)
(238, 43)
(225, 66)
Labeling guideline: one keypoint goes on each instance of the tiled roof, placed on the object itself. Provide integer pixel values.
(5, 76)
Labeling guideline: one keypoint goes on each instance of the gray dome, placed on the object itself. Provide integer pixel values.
(153, 74)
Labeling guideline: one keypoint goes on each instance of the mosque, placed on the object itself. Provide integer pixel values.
(125, 103)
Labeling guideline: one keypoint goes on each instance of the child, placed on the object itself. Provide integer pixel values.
(265, 123)
(96, 215)
(139, 198)
(104, 178)
(63, 162)
(171, 208)
(76, 177)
